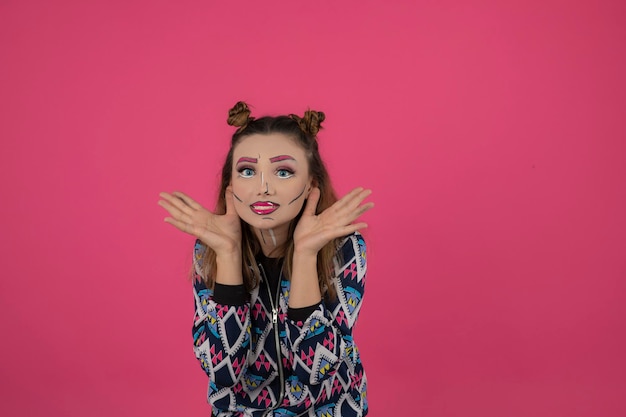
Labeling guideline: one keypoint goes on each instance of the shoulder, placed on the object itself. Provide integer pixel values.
(199, 249)
(352, 245)
(352, 248)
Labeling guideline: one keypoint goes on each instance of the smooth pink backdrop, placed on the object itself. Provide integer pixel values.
(492, 134)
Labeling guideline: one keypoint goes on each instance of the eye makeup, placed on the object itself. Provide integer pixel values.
(245, 171)
(282, 158)
(287, 168)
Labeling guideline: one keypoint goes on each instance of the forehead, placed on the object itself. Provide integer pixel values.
(268, 146)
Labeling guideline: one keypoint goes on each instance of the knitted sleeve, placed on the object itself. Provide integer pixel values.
(323, 343)
(221, 332)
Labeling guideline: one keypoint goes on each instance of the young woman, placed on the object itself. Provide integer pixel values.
(279, 271)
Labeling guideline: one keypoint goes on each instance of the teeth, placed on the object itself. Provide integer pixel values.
(266, 206)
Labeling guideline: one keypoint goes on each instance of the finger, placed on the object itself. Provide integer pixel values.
(345, 218)
(230, 201)
(347, 230)
(311, 203)
(180, 225)
(360, 196)
(187, 200)
(177, 202)
(172, 209)
(353, 198)
(352, 208)
(350, 195)
(362, 209)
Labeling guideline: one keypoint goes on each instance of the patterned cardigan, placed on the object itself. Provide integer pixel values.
(316, 372)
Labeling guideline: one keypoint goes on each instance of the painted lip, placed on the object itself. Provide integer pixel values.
(264, 207)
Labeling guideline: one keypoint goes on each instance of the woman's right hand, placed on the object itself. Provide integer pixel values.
(222, 233)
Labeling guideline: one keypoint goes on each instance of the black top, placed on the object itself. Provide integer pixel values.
(236, 294)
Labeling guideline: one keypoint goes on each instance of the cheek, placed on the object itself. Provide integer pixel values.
(242, 209)
(297, 205)
(297, 208)
(238, 197)
(239, 201)
(298, 194)
(239, 188)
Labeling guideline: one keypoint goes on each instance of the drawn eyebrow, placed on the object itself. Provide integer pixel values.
(281, 158)
(246, 159)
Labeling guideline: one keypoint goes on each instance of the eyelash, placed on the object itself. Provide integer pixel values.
(289, 171)
(240, 170)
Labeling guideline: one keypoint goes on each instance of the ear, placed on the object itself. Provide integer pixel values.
(312, 184)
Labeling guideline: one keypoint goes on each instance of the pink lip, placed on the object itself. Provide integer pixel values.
(264, 207)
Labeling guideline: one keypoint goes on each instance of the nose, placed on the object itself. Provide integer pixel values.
(264, 188)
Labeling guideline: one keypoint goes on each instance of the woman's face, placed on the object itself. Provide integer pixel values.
(270, 180)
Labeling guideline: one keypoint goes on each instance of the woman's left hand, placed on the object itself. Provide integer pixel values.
(316, 230)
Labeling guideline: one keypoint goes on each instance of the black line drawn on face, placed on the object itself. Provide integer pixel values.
(299, 195)
(238, 199)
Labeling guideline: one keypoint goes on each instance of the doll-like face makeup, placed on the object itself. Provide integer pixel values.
(270, 180)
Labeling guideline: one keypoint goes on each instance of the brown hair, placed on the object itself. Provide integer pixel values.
(304, 131)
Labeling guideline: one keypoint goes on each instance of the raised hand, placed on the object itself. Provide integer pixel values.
(222, 233)
(314, 231)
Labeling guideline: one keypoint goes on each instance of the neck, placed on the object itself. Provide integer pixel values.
(272, 240)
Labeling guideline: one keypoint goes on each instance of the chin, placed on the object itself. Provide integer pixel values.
(266, 224)
(259, 223)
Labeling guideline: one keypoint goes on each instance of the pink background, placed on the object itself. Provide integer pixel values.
(492, 135)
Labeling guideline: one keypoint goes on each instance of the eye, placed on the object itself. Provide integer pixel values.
(246, 172)
(284, 173)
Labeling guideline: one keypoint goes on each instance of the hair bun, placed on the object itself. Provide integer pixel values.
(239, 115)
(312, 121)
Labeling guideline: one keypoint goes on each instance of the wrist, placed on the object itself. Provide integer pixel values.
(229, 254)
(229, 268)
(305, 290)
(304, 260)
(304, 253)
(229, 258)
